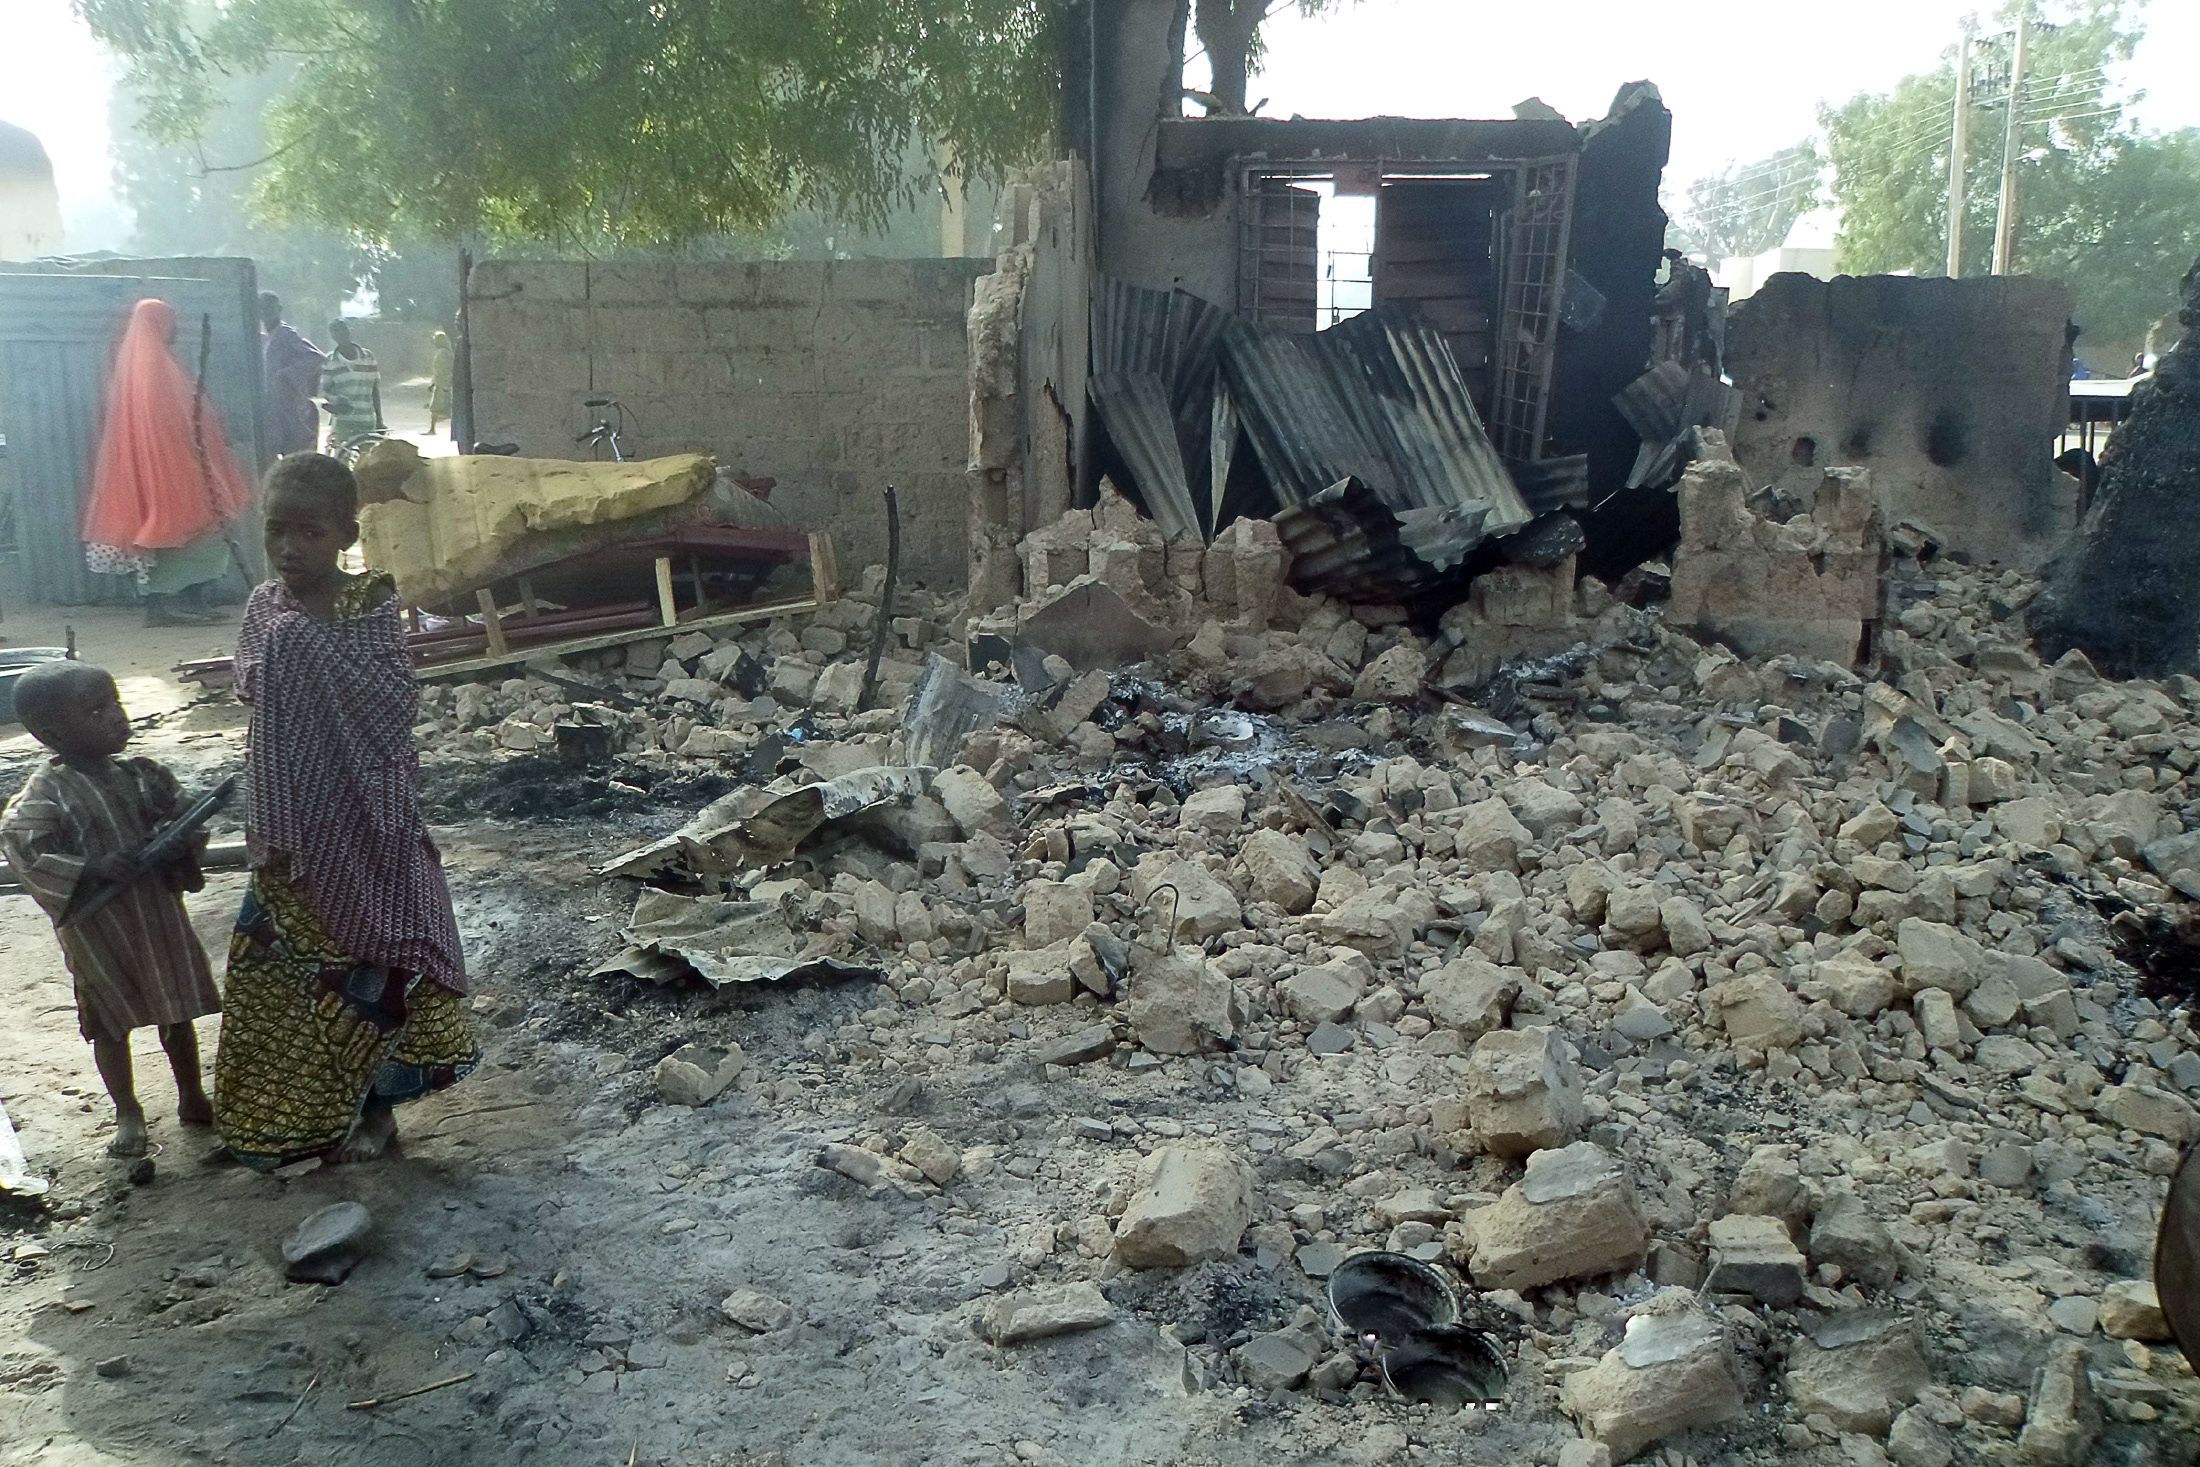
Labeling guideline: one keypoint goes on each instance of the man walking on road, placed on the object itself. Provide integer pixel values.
(291, 371)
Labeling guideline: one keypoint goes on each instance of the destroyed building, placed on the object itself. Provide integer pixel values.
(1449, 885)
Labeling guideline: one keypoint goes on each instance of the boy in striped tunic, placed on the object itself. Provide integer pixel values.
(81, 816)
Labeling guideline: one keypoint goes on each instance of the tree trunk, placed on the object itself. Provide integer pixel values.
(1226, 28)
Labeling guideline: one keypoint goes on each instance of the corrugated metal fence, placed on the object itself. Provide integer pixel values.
(59, 326)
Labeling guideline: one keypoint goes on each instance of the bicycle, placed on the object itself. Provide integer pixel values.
(607, 431)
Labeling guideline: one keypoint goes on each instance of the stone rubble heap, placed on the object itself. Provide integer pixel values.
(1748, 1032)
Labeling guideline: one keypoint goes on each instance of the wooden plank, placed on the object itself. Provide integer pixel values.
(824, 568)
(492, 624)
(668, 609)
(437, 671)
(527, 600)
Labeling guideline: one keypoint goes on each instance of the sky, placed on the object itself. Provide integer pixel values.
(1742, 80)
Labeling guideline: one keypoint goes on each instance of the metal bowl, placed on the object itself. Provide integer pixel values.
(1389, 1297)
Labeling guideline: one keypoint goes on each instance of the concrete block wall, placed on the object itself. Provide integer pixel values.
(834, 377)
(1950, 391)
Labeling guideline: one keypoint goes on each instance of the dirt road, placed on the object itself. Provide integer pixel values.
(152, 1325)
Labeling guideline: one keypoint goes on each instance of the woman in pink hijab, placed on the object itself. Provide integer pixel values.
(159, 504)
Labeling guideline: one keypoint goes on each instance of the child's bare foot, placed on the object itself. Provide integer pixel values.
(195, 1110)
(129, 1134)
(373, 1135)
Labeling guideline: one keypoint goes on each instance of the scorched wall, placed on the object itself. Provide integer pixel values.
(835, 378)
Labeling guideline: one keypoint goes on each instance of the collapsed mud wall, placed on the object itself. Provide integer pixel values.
(1949, 391)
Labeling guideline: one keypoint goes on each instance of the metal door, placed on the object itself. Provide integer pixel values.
(58, 333)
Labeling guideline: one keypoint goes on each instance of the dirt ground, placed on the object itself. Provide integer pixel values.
(608, 1224)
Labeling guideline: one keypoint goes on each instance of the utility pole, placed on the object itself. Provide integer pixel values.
(2005, 214)
(1959, 151)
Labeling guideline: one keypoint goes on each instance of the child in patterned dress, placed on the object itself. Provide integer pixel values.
(80, 817)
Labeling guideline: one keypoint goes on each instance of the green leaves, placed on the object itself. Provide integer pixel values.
(2109, 209)
(614, 121)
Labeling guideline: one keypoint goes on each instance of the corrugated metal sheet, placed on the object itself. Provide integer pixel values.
(59, 325)
(1379, 399)
(1553, 484)
(1664, 406)
(1156, 362)
(1347, 542)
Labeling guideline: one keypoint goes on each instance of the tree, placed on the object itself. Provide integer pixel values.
(1749, 208)
(2108, 208)
(1229, 32)
(626, 122)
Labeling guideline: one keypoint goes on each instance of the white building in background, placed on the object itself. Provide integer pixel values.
(30, 204)
(1807, 250)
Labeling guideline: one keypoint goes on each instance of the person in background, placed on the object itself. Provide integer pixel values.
(351, 385)
(344, 992)
(82, 816)
(165, 486)
(439, 382)
(290, 368)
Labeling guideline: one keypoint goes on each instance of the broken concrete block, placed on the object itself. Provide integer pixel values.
(1573, 1215)
(1038, 1314)
(2062, 1418)
(1279, 870)
(1323, 995)
(1916, 1440)
(1771, 1184)
(1673, 1371)
(1545, 809)
(1394, 677)
(1217, 811)
(697, 1074)
(1187, 896)
(1686, 932)
(1633, 918)
(2149, 1111)
(1279, 1361)
(1093, 1042)
(1857, 1370)
(1196, 1202)
(931, 1153)
(1804, 586)
(1855, 985)
(970, 800)
(1759, 1012)
(2131, 1310)
(1523, 1093)
(2032, 821)
(1935, 1013)
(1847, 1235)
(1041, 977)
(1055, 912)
(859, 1164)
(756, 1312)
(1179, 1004)
(1490, 838)
(1754, 1255)
(1935, 955)
(1471, 994)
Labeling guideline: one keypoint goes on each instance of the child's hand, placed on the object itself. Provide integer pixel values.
(109, 869)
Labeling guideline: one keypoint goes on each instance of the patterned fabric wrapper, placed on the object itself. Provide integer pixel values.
(310, 1034)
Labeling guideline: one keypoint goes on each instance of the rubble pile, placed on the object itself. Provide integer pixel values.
(1748, 1032)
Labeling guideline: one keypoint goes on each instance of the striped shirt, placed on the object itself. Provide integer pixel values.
(136, 962)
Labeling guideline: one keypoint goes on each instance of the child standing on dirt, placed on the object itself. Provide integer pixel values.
(81, 817)
(345, 984)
